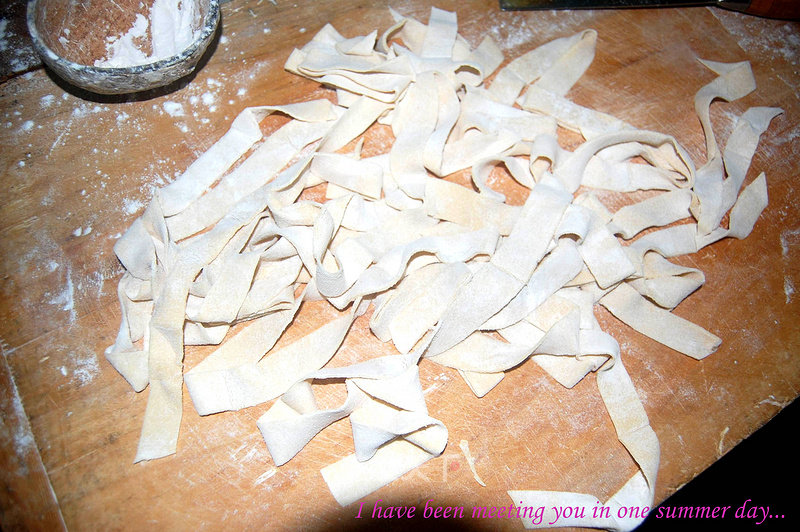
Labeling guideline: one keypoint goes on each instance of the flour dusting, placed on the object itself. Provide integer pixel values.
(132, 206)
(22, 437)
(170, 26)
(173, 108)
(789, 239)
(65, 299)
(86, 368)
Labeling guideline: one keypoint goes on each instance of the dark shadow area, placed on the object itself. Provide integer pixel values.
(763, 468)
(18, 56)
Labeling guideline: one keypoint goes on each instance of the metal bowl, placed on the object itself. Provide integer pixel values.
(89, 24)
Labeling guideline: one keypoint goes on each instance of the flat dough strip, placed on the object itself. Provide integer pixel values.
(662, 326)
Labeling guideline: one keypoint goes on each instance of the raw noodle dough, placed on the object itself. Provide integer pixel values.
(442, 264)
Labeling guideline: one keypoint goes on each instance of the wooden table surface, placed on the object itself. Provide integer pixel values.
(77, 170)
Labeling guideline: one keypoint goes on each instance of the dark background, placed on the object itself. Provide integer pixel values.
(763, 468)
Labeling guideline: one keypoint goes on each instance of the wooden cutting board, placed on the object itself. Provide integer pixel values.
(77, 170)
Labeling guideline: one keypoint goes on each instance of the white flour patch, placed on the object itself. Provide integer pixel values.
(47, 101)
(65, 299)
(173, 108)
(85, 367)
(252, 453)
(22, 437)
(84, 109)
(789, 137)
(132, 206)
(788, 289)
(208, 99)
(17, 54)
(97, 280)
(764, 39)
(789, 239)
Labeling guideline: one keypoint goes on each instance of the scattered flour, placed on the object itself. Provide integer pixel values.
(788, 289)
(17, 54)
(23, 440)
(86, 367)
(208, 98)
(173, 108)
(132, 206)
(65, 299)
(84, 109)
(789, 239)
(534, 29)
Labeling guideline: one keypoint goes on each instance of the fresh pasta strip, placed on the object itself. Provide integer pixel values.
(657, 211)
(588, 122)
(559, 267)
(417, 304)
(507, 271)
(454, 203)
(739, 151)
(665, 283)
(733, 82)
(249, 383)
(634, 431)
(544, 62)
(660, 325)
(263, 165)
(752, 201)
(207, 169)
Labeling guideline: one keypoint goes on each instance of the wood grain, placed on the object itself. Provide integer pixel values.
(77, 171)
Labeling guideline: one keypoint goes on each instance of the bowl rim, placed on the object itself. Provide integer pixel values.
(210, 23)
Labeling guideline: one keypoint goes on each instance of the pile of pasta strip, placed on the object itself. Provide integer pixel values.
(455, 274)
